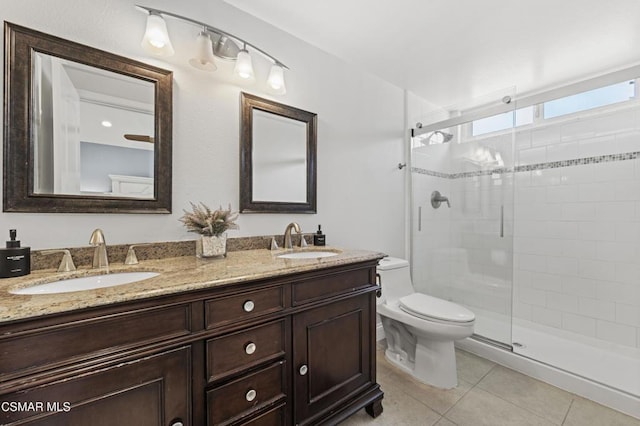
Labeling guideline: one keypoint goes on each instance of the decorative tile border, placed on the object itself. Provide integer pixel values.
(530, 167)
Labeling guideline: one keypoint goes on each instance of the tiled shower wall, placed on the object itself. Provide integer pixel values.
(573, 208)
(577, 226)
(431, 226)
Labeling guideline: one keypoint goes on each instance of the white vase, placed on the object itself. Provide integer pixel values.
(214, 246)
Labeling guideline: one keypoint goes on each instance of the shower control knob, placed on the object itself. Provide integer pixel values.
(303, 370)
(248, 306)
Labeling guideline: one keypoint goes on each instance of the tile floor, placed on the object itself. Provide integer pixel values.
(487, 394)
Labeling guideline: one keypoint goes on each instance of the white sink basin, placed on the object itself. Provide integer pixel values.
(307, 255)
(86, 283)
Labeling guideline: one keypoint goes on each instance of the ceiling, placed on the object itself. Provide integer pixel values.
(450, 52)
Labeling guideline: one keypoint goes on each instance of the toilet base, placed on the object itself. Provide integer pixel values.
(435, 363)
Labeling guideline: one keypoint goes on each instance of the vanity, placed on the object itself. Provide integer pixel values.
(252, 339)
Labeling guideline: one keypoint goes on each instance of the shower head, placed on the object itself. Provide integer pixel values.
(443, 137)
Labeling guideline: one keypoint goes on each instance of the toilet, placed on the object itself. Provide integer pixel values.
(420, 329)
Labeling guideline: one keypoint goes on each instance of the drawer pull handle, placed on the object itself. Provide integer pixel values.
(250, 348)
(303, 370)
(251, 395)
(248, 306)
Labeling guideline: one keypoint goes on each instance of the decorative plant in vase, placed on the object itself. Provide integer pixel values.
(211, 225)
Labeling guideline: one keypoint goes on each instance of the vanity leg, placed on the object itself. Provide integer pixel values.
(374, 409)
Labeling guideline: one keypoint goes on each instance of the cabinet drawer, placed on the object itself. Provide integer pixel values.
(53, 346)
(238, 351)
(229, 403)
(237, 307)
(328, 285)
(274, 417)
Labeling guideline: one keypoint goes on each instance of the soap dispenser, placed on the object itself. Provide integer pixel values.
(319, 237)
(15, 261)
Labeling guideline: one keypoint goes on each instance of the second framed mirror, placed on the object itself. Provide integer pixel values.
(277, 157)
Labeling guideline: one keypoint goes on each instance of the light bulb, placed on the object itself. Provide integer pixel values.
(276, 79)
(204, 53)
(156, 38)
(244, 67)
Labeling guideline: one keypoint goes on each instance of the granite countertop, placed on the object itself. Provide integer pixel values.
(177, 274)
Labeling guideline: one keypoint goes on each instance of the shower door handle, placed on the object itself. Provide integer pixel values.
(502, 221)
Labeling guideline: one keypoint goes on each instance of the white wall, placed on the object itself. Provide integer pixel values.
(360, 129)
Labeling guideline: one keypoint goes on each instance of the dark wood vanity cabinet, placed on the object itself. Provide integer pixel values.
(332, 355)
(149, 391)
(293, 349)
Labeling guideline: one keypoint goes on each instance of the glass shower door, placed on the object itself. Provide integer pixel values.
(462, 250)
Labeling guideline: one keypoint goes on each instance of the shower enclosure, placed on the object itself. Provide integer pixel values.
(463, 250)
(542, 237)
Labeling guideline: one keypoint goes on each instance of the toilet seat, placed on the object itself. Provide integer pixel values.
(434, 309)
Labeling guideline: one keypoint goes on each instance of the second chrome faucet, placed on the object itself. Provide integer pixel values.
(288, 245)
(100, 258)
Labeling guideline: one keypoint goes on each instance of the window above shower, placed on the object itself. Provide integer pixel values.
(495, 123)
(599, 100)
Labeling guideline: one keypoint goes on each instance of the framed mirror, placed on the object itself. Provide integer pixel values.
(85, 131)
(277, 157)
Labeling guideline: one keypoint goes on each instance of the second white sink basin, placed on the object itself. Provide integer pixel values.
(86, 283)
(307, 254)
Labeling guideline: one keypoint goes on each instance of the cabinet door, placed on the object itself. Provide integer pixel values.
(152, 391)
(331, 353)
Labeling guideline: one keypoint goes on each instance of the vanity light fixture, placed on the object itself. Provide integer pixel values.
(211, 42)
(204, 53)
(156, 37)
(276, 79)
(244, 65)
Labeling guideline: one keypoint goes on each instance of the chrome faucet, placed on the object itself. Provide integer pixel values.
(100, 259)
(288, 245)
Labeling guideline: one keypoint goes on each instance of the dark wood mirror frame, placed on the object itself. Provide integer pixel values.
(18, 194)
(249, 103)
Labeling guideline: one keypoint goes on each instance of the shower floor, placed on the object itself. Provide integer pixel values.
(609, 364)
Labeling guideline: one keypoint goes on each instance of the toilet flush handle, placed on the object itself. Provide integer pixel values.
(379, 290)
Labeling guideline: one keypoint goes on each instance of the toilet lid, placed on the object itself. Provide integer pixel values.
(424, 306)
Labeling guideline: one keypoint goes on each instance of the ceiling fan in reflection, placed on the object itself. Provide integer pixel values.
(139, 138)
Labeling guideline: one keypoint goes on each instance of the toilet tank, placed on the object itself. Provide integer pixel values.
(395, 277)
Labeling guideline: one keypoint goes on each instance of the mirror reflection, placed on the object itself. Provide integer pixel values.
(279, 158)
(92, 130)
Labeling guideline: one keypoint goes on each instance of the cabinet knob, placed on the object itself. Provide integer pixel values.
(177, 424)
(303, 370)
(248, 306)
(251, 395)
(250, 348)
